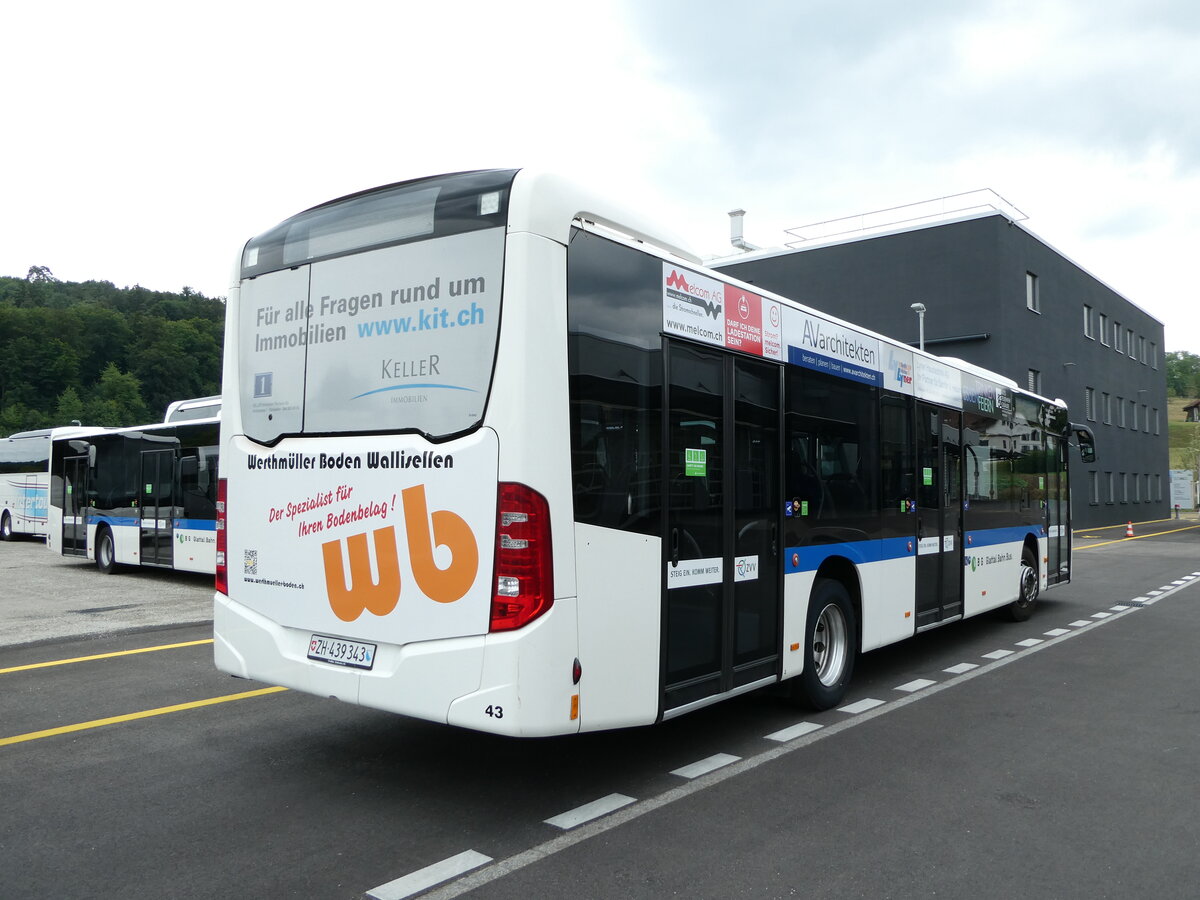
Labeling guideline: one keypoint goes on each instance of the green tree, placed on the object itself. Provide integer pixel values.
(70, 407)
(118, 399)
(1183, 374)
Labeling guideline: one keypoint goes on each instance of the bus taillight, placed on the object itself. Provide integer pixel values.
(524, 568)
(222, 581)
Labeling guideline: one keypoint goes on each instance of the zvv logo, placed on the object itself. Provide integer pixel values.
(349, 598)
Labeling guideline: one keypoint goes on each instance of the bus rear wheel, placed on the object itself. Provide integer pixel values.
(830, 647)
(106, 555)
(1022, 608)
(6, 529)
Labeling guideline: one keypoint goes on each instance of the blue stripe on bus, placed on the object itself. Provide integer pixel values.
(134, 522)
(809, 559)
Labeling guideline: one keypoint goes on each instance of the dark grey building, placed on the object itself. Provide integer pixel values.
(1000, 297)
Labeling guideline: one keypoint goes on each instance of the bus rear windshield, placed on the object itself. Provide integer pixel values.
(375, 313)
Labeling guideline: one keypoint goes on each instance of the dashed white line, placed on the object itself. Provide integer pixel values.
(1153, 593)
(594, 810)
(423, 879)
(919, 684)
(998, 654)
(960, 668)
(704, 766)
(1120, 607)
(1079, 623)
(1101, 615)
(861, 706)
(793, 731)
(1030, 642)
(1058, 632)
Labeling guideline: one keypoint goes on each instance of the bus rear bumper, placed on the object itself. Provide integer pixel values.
(472, 682)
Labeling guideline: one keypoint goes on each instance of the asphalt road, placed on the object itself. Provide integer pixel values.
(1057, 759)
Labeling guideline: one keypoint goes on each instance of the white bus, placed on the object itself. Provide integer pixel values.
(495, 455)
(25, 480)
(139, 496)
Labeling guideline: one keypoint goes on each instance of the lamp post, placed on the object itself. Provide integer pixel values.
(919, 309)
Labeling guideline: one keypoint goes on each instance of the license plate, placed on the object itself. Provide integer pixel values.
(341, 652)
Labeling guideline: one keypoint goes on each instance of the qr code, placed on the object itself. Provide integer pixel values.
(251, 562)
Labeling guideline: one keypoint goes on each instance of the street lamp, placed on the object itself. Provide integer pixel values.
(919, 309)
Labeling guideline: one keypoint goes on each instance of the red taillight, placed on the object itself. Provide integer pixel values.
(222, 568)
(524, 587)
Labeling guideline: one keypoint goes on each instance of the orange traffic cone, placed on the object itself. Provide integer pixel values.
(1129, 529)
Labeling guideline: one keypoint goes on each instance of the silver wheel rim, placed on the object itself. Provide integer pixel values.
(106, 553)
(1029, 585)
(830, 643)
(7, 527)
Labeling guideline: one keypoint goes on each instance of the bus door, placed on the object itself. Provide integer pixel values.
(1056, 498)
(157, 506)
(74, 505)
(939, 515)
(722, 558)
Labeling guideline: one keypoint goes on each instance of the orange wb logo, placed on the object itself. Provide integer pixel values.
(424, 533)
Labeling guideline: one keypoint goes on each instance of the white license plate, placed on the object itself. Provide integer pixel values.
(341, 652)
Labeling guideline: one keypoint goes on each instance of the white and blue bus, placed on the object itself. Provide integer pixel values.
(139, 496)
(496, 454)
(25, 480)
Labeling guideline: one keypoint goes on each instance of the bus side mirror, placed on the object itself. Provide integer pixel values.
(91, 456)
(1087, 442)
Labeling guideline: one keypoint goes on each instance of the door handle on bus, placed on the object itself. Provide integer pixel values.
(674, 546)
(920, 528)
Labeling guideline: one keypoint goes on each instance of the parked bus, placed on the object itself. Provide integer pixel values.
(25, 480)
(199, 408)
(495, 455)
(140, 496)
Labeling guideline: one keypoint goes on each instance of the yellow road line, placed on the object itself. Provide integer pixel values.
(1136, 537)
(130, 717)
(79, 659)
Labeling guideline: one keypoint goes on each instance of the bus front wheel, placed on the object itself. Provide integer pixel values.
(106, 556)
(830, 647)
(6, 529)
(1022, 608)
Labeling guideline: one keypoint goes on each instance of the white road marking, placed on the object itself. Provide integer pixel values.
(1079, 623)
(960, 668)
(792, 732)
(1030, 642)
(919, 684)
(1058, 632)
(998, 654)
(594, 810)
(861, 705)
(423, 879)
(1120, 607)
(704, 766)
(1101, 615)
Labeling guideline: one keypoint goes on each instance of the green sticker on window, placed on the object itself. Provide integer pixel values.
(927, 476)
(695, 463)
(804, 507)
(148, 487)
(1041, 483)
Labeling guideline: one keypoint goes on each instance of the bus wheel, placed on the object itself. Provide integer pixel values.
(1022, 608)
(106, 556)
(6, 532)
(829, 647)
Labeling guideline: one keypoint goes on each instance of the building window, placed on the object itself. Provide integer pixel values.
(1093, 487)
(1158, 488)
(1146, 478)
(1133, 415)
(1130, 347)
(1153, 355)
(1117, 336)
(1145, 418)
(1035, 381)
(1089, 403)
(1032, 300)
(1106, 406)
(1103, 329)
(1142, 349)
(1120, 412)
(1124, 487)
(1108, 476)
(1156, 431)
(1137, 489)
(1087, 322)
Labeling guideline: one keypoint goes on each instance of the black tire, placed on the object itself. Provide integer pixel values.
(6, 529)
(1022, 608)
(830, 647)
(106, 556)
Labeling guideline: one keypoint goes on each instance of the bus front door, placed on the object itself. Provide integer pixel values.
(722, 561)
(939, 516)
(157, 507)
(75, 505)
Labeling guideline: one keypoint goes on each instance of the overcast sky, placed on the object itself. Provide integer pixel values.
(144, 142)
